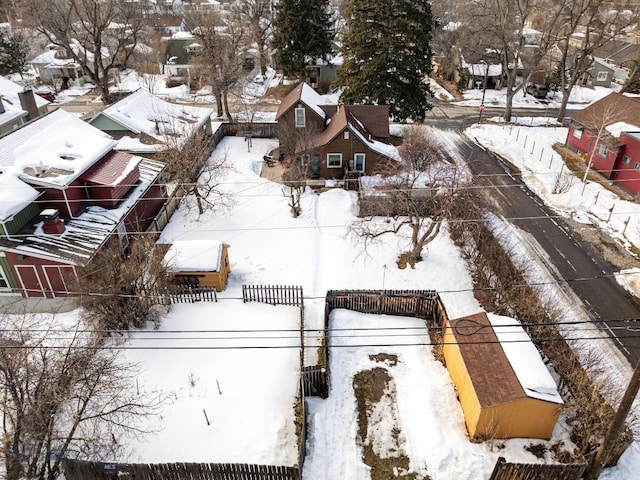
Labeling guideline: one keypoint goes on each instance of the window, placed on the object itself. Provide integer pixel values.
(4, 283)
(306, 159)
(637, 167)
(603, 150)
(299, 116)
(626, 160)
(602, 76)
(358, 162)
(577, 132)
(346, 134)
(334, 160)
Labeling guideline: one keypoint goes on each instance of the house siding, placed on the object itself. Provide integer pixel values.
(7, 273)
(41, 278)
(19, 220)
(627, 176)
(348, 148)
(140, 218)
(75, 199)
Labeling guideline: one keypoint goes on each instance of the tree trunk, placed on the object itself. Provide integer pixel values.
(225, 99)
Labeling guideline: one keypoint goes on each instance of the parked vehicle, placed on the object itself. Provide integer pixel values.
(46, 94)
(537, 90)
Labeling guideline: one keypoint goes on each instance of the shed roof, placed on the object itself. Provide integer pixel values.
(112, 170)
(194, 256)
(502, 362)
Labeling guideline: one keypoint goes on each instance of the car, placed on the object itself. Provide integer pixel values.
(46, 94)
(537, 90)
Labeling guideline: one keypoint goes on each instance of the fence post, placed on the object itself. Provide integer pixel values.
(610, 212)
(541, 153)
(626, 223)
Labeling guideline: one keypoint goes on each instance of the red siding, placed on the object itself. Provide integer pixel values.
(627, 175)
(75, 199)
(143, 213)
(582, 144)
(41, 278)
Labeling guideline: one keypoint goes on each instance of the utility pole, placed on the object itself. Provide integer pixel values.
(604, 452)
(484, 88)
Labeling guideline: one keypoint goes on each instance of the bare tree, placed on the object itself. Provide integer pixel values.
(118, 289)
(586, 26)
(257, 14)
(415, 195)
(63, 396)
(295, 182)
(196, 171)
(224, 50)
(501, 27)
(99, 35)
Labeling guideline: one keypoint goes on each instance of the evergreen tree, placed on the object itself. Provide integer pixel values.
(303, 31)
(13, 53)
(387, 53)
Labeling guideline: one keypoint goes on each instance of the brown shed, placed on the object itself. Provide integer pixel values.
(203, 263)
(504, 388)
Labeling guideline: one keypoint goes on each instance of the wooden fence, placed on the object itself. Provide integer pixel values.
(315, 381)
(80, 470)
(525, 471)
(409, 303)
(186, 294)
(273, 294)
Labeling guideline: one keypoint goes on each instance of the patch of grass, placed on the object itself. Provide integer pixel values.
(369, 387)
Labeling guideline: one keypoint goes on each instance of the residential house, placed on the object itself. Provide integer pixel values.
(143, 123)
(600, 74)
(56, 66)
(334, 141)
(605, 134)
(64, 194)
(199, 263)
(179, 64)
(18, 105)
(482, 75)
(503, 386)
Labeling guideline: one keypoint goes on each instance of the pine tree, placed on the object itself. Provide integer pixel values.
(303, 31)
(387, 53)
(13, 53)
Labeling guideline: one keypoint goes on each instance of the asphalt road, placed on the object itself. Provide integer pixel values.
(575, 264)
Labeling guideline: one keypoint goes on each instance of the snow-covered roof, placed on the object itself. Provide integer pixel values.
(14, 195)
(615, 129)
(194, 256)
(525, 359)
(480, 69)
(53, 150)
(143, 112)
(9, 91)
(312, 99)
(87, 232)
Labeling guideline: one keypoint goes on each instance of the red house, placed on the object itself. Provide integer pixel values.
(66, 193)
(606, 134)
(335, 141)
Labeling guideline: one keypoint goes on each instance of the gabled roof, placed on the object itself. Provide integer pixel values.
(53, 150)
(345, 118)
(304, 94)
(15, 195)
(614, 108)
(502, 362)
(142, 112)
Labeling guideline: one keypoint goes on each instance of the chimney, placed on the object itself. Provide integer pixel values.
(28, 103)
(52, 223)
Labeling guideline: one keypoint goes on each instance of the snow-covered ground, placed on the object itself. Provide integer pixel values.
(231, 403)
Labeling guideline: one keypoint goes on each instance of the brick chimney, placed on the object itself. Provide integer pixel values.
(52, 223)
(28, 103)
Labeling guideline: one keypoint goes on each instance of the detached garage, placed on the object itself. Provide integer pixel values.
(503, 385)
(203, 263)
